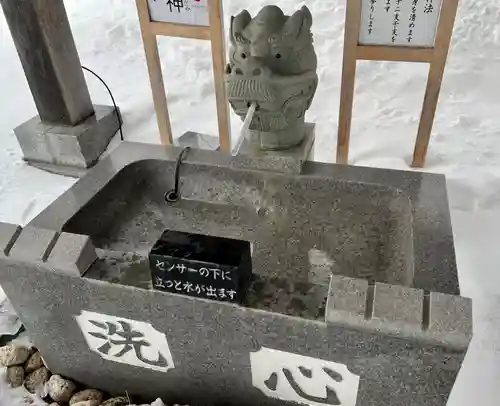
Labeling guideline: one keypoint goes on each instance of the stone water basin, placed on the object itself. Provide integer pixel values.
(354, 271)
(302, 228)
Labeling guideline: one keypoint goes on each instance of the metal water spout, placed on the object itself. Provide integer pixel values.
(173, 195)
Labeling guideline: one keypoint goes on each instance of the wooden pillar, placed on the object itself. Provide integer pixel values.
(436, 71)
(351, 35)
(219, 65)
(433, 51)
(155, 74)
(45, 45)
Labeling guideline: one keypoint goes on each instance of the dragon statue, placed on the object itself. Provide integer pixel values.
(272, 63)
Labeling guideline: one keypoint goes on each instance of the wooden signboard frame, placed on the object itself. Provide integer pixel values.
(215, 34)
(436, 56)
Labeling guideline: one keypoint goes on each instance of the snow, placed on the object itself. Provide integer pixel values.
(387, 108)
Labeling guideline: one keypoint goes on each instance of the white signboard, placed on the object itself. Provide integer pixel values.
(410, 23)
(191, 12)
(303, 380)
(126, 341)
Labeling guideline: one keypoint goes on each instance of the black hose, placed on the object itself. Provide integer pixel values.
(120, 121)
(174, 195)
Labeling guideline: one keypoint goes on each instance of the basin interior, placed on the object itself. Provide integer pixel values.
(301, 228)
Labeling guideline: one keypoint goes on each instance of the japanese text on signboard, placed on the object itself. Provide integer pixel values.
(191, 12)
(399, 22)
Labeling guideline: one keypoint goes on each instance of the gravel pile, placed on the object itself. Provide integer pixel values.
(25, 366)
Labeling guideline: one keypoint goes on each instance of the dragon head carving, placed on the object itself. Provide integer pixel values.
(272, 63)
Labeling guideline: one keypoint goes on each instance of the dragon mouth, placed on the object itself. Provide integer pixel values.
(268, 89)
(254, 90)
(263, 120)
(281, 100)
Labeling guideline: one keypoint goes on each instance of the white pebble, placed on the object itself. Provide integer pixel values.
(60, 389)
(13, 354)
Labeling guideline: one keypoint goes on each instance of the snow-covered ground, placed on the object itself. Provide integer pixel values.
(465, 145)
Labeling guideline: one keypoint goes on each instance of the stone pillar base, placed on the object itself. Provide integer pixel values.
(289, 161)
(74, 149)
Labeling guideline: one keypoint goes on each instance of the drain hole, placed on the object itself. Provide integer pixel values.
(171, 196)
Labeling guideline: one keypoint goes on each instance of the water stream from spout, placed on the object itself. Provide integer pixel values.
(244, 128)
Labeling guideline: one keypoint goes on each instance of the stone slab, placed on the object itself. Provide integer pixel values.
(211, 346)
(73, 253)
(398, 305)
(78, 146)
(63, 170)
(450, 317)
(346, 300)
(33, 244)
(287, 161)
(198, 140)
(400, 311)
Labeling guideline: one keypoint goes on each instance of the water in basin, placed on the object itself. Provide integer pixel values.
(301, 228)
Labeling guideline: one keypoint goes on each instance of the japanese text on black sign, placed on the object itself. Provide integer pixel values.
(201, 281)
(200, 290)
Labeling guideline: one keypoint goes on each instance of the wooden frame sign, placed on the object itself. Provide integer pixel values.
(396, 30)
(198, 19)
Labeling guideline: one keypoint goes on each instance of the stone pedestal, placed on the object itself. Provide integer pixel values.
(68, 130)
(289, 161)
(78, 146)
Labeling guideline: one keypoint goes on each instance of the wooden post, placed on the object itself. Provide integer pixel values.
(351, 35)
(44, 42)
(219, 64)
(435, 53)
(436, 71)
(155, 74)
(213, 32)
